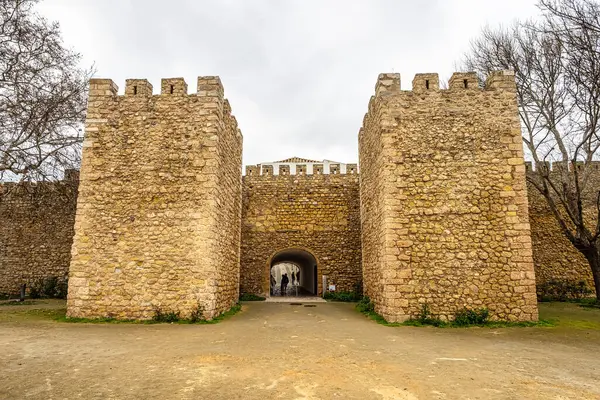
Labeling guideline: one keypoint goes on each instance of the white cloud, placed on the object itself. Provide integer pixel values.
(298, 73)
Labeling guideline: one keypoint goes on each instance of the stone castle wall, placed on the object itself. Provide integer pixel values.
(36, 231)
(444, 202)
(158, 213)
(161, 212)
(555, 257)
(317, 213)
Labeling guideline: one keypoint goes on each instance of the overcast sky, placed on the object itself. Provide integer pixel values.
(298, 73)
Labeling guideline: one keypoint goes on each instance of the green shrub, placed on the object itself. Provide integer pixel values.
(365, 305)
(197, 314)
(51, 287)
(342, 296)
(162, 316)
(425, 318)
(251, 297)
(35, 291)
(563, 290)
(466, 317)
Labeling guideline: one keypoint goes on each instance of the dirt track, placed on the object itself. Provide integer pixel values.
(294, 352)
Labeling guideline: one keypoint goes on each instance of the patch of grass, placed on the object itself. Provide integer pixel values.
(18, 314)
(102, 320)
(19, 303)
(165, 316)
(366, 307)
(251, 297)
(347, 297)
(589, 303)
(544, 323)
(169, 317)
(223, 316)
(571, 315)
(467, 318)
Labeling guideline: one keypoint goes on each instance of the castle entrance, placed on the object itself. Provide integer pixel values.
(296, 266)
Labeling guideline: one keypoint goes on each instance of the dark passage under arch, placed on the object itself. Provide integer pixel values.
(306, 263)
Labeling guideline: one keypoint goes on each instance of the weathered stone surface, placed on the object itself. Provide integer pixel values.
(317, 213)
(159, 208)
(443, 200)
(36, 231)
(555, 257)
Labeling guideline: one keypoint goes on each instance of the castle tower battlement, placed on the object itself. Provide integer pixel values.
(159, 206)
(443, 199)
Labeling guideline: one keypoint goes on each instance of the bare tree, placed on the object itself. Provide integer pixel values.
(42, 96)
(556, 60)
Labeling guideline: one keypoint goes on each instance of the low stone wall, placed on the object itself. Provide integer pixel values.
(36, 232)
(316, 213)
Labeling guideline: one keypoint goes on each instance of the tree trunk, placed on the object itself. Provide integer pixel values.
(592, 254)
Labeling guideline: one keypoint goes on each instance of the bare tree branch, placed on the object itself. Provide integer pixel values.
(557, 66)
(42, 96)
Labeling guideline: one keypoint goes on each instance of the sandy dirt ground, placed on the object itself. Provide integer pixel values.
(281, 351)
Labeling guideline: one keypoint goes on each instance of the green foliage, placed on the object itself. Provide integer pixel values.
(342, 296)
(51, 287)
(358, 288)
(165, 316)
(589, 303)
(467, 317)
(19, 303)
(349, 297)
(197, 314)
(425, 318)
(365, 305)
(160, 316)
(251, 297)
(35, 291)
(563, 290)
(463, 318)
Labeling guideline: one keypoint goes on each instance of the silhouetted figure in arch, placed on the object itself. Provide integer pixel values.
(284, 282)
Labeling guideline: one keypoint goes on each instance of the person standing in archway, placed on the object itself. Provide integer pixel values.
(298, 277)
(293, 278)
(284, 282)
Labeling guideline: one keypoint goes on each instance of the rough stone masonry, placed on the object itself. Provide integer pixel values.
(438, 215)
(443, 199)
(159, 206)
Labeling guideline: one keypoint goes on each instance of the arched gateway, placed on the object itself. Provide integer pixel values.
(299, 262)
(304, 218)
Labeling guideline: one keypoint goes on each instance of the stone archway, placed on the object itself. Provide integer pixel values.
(305, 262)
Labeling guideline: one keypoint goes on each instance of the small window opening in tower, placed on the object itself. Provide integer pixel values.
(135, 90)
(466, 83)
(171, 89)
(427, 84)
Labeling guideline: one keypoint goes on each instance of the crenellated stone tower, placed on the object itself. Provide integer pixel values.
(159, 207)
(443, 199)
